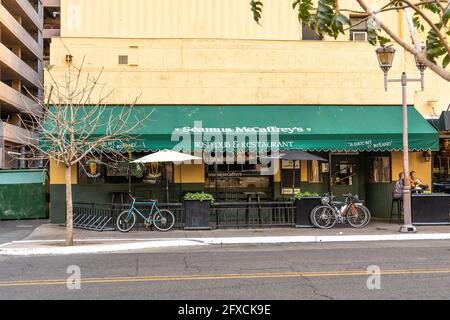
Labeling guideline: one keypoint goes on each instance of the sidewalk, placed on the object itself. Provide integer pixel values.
(49, 239)
(18, 229)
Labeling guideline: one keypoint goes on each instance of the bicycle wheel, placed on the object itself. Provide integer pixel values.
(369, 216)
(164, 220)
(323, 217)
(126, 221)
(358, 216)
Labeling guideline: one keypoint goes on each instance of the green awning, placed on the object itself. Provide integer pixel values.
(22, 176)
(324, 128)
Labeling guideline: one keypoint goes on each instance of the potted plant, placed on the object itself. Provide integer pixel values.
(197, 210)
(304, 203)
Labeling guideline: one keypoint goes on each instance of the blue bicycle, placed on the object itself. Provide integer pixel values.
(162, 219)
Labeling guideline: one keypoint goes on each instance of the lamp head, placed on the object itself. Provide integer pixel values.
(385, 55)
(420, 65)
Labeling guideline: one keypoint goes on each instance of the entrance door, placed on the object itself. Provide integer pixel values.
(345, 174)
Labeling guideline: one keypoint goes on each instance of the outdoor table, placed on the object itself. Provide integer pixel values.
(430, 208)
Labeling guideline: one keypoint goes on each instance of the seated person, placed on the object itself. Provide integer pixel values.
(397, 194)
(416, 184)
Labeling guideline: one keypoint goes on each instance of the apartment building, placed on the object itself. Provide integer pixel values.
(21, 75)
(52, 25)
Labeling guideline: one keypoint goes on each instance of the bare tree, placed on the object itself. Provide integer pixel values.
(75, 123)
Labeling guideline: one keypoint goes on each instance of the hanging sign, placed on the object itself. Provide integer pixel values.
(92, 168)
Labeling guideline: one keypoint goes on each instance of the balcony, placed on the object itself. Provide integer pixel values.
(51, 31)
(15, 34)
(16, 68)
(52, 3)
(18, 135)
(14, 101)
(23, 8)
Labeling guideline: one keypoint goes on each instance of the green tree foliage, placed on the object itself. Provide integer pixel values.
(327, 18)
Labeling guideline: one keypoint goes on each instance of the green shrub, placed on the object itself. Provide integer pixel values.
(200, 196)
(300, 195)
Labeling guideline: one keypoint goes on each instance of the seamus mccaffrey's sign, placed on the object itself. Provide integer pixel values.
(237, 144)
(271, 129)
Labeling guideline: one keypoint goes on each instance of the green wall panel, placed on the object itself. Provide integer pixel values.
(22, 194)
(379, 199)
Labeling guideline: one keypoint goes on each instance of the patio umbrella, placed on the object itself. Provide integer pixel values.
(297, 155)
(167, 156)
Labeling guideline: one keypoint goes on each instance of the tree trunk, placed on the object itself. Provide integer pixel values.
(69, 207)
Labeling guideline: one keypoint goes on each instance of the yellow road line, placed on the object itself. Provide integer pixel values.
(353, 273)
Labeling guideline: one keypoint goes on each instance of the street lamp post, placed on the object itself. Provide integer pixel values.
(385, 56)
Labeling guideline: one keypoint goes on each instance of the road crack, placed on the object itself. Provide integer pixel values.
(315, 291)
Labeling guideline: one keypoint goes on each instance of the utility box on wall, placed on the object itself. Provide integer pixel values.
(23, 194)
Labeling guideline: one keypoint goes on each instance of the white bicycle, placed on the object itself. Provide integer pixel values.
(352, 211)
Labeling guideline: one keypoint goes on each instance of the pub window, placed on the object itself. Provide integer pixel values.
(379, 169)
(290, 176)
(236, 176)
(314, 172)
(441, 161)
(94, 171)
(344, 173)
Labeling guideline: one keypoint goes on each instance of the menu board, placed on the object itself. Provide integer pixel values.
(117, 169)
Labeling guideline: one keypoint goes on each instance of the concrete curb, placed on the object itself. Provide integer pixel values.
(188, 242)
(95, 249)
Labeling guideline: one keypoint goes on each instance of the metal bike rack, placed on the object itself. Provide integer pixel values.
(91, 217)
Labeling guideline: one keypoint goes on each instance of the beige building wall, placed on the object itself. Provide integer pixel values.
(212, 52)
(207, 71)
(221, 19)
(196, 19)
(58, 173)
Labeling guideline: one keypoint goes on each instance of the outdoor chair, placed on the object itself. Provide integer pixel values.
(399, 204)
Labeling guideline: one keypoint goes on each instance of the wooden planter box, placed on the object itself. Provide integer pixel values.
(303, 210)
(197, 214)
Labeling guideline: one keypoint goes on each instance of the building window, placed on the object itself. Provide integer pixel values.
(308, 33)
(358, 29)
(314, 172)
(441, 161)
(123, 59)
(379, 169)
(105, 171)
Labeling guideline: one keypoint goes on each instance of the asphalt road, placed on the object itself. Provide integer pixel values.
(410, 270)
